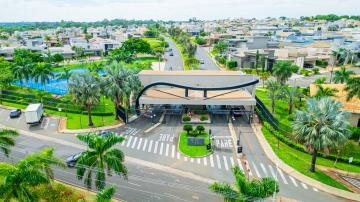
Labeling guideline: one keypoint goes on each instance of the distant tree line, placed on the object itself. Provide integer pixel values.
(330, 17)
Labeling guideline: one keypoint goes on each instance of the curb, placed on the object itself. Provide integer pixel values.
(296, 174)
(87, 130)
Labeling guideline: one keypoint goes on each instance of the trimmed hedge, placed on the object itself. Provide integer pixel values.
(186, 118)
(204, 118)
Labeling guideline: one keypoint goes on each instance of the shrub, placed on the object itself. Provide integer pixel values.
(305, 72)
(200, 129)
(200, 112)
(221, 60)
(188, 128)
(321, 63)
(186, 118)
(204, 118)
(231, 64)
(248, 70)
(355, 133)
(200, 41)
(316, 70)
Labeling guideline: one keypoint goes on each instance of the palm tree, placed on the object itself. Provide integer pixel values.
(100, 156)
(353, 88)
(85, 89)
(321, 125)
(7, 140)
(320, 80)
(96, 67)
(118, 84)
(325, 92)
(291, 93)
(264, 76)
(283, 70)
(23, 70)
(105, 195)
(273, 92)
(43, 73)
(342, 75)
(245, 189)
(66, 74)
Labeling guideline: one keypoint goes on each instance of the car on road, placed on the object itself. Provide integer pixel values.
(104, 133)
(171, 54)
(15, 113)
(71, 160)
(202, 61)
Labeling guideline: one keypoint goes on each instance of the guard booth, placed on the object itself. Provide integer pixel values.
(217, 91)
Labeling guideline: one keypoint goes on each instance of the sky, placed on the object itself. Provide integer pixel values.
(94, 10)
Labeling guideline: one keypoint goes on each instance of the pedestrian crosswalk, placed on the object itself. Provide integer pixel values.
(130, 131)
(215, 161)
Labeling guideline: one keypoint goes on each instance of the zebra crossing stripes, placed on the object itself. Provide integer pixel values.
(272, 172)
(185, 158)
(240, 165)
(218, 161)
(150, 146)
(129, 141)
(155, 147)
(232, 162)
(211, 160)
(173, 151)
(225, 163)
(198, 161)
(167, 150)
(293, 181)
(264, 169)
(134, 142)
(140, 141)
(304, 185)
(131, 131)
(161, 148)
(256, 170)
(192, 160)
(145, 143)
(205, 161)
(177, 155)
(282, 176)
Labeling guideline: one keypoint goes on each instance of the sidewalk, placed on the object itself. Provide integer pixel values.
(297, 175)
(62, 128)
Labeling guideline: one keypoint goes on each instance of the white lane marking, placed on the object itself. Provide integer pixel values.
(315, 189)
(173, 151)
(129, 141)
(272, 172)
(232, 161)
(161, 148)
(134, 184)
(185, 158)
(240, 165)
(156, 146)
(205, 161)
(139, 145)
(150, 146)
(145, 143)
(218, 161)
(167, 150)
(192, 160)
(123, 143)
(264, 169)
(225, 163)
(198, 161)
(177, 155)
(293, 181)
(282, 176)
(256, 170)
(134, 142)
(304, 185)
(211, 161)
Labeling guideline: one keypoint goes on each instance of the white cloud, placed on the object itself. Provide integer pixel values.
(91, 10)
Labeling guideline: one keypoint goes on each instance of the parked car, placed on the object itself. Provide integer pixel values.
(15, 113)
(71, 160)
(104, 133)
(171, 54)
(202, 61)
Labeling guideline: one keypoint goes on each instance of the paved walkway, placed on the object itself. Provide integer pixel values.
(297, 175)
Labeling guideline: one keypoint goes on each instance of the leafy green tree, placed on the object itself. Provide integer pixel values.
(325, 92)
(192, 62)
(342, 75)
(135, 46)
(7, 140)
(43, 73)
(120, 55)
(321, 126)
(66, 74)
(102, 157)
(273, 89)
(200, 41)
(221, 47)
(353, 88)
(57, 57)
(6, 75)
(105, 195)
(151, 34)
(188, 128)
(200, 129)
(245, 189)
(85, 89)
(283, 70)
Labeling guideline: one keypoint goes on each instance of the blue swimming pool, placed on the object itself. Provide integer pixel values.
(55, 86)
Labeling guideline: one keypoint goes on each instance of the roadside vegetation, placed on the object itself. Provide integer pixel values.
(198, 147)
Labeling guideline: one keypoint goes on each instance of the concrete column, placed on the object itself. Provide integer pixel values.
(205, 93)
(186, 92)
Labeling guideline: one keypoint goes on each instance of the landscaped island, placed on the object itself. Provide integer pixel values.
(195, 143)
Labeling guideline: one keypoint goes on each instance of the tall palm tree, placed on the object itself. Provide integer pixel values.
(66, 74)
(325, 92)
(105, 195)
(283, 70)
(43, 73)
(321, 126)
(85, 89)
(7, 140)
(342, 75)
(118, 84)
(291, 93)
(273, 90)
(23, 70)
(264, 76)
(353, 88)
(100, 156)
(245, 189)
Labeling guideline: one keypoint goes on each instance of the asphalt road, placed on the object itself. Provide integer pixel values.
(174, 62)
(202, 54)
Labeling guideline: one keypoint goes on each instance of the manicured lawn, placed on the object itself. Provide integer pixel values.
(193, 151)
(74, 66)
(301, 161)
(154, 42)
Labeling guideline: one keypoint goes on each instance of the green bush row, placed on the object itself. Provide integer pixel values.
(186, 118)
